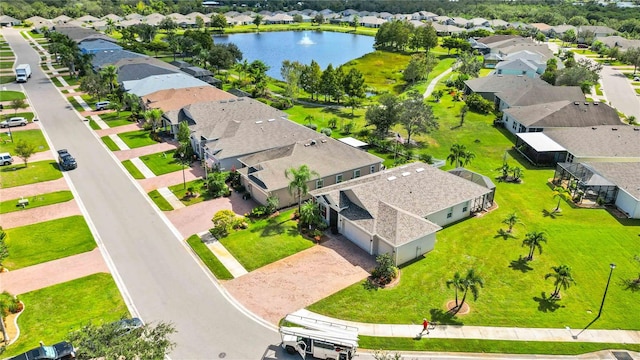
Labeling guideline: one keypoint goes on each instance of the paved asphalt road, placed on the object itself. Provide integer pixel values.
(619, 92)
(163, 281)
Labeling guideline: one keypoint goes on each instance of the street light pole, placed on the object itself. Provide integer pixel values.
(184, 180)
(612, 266)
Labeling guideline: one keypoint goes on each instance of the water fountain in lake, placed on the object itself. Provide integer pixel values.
(306, 40)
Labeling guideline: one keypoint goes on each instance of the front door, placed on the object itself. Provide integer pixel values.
(333, 221)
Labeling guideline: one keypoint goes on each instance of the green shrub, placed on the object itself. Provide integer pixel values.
(223, 222)
(312, 126)
(385, 270)
(479, 104)
(326, 131)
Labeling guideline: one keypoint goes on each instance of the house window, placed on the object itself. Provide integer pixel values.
(464, 209)
(356, 173)
(449, 215)
(319, 183)
(372, 169)
(514, 125)
(338, 179)
(570, 158)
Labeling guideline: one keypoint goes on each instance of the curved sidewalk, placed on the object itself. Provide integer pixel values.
(486, 332)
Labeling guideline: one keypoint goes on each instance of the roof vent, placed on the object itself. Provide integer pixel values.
(391, 178)
(594, 128)
(270, 120)
(323, 141)
(259, 122)
(596, 103)
(313, 142)
(576, 103)
(636, 129)
(614, 129)
(406, 173)
(586, 103)
(419, 169)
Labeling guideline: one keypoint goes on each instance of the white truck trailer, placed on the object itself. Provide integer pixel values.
(23, 73)
(319, 339)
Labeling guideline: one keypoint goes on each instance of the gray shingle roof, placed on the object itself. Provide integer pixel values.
(109, 57)
(129, 72)
(503, 83)
(78, 34)
(623, 174)
(598, 141)
(518, 65)
(540, 94)
(564, 114)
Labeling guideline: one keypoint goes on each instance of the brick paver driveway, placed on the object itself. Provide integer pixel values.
(300, 280)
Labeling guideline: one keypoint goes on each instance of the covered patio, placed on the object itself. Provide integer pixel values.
(539, 149)
(586, 185)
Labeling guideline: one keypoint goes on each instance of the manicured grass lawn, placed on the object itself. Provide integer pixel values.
(17, 174)
(162, 163)
(6, 64)
(266, 241)
(8, 206)
(46, 241)
(180, 191)
(11, 95)
(488, 346)
(56, 82)
(75, 104)
(93, 125)
(113, 119)
(70, 79)
(64, 308)
(132, 169)
(34, 137)
(585, 239)
(138, 138)
(598, 89)
(160, 201)
(207, 257)
(110, 143)
(7, 78)
(26, 115)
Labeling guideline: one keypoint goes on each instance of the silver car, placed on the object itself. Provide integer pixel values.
(14, 121)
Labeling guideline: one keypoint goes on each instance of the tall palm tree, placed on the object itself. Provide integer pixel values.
(299, 178)
(456, 154)
(472, 281)
(457, 283)
(562, 279)
(534, 241)
(153, 117)
(511, 220)
(561, 193)
(109, 73)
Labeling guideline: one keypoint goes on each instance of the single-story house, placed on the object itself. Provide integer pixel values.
(154, 19)
(40, 22)
(457, 21)
(92, 46)
(542, 27)
(478, 22)
(489, 86)
(598, 31)
(62, 19)
(564, 113)
(542, 49)
(134, 16)
(618, 41)
(279, 19)
(398, 211)
(138, 71)
(80, 34)
(87, 19)
(581, 144)
(498, 24)
(6, 20)
(538, 94)
(604, 182)
(524, 67)
(559, 30)
(447, 30)
(113, 17)
(103, 58)
(175, 99)
(372, 22)
(155, 83)
(263, 173)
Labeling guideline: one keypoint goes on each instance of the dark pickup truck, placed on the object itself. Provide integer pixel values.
(66, 161)
(60, 351)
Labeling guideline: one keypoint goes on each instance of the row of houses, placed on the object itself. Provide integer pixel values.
(595, 154)
(238, 133)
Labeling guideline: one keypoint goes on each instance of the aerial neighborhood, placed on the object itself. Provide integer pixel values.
(459, 172)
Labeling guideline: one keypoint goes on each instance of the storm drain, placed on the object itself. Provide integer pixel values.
(621, 355)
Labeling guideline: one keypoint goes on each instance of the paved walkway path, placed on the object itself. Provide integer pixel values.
(434, 82)
(171, 198)
(116, 139)
(53, 272)
(235, 268)
(485, 332)
(146, 172)
(101, 124)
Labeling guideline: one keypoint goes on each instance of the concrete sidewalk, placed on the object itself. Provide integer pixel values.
(486, 332)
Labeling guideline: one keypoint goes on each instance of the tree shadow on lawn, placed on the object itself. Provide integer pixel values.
(443, 317)
(522, 264)
(547, 304)
(274, 227)
(550, 214)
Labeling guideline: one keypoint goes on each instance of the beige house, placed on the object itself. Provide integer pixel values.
(175, 99)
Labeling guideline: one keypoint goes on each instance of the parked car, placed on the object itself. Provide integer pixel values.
(102, 105)
(14, 121)
(66, 161)
(6, 159)
(636, 78)
(60, 351)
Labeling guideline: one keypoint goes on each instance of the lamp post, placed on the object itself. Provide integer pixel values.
(184, 180)
(612, 266)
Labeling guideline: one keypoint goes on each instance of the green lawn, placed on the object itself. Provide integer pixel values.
(138, 138)
(17, 174)
(8, 206)
(66, 307)
(382, 70)
(110, 143)
(207, 257)
(162, 163)
(160, 201)
(26, 115)
(132, 169)
(70, 79)
(76, 105)
(93, 125)
(46, 241)
(180, 191)
(113, 119)
(488, 346)
(7, 78)
(55, 81)
(34, 137)
(8, 95)
(6, 64)
(266, 241)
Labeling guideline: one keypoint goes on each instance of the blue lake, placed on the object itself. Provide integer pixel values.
(303, 46)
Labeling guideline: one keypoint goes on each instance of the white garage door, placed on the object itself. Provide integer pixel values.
(356, 235)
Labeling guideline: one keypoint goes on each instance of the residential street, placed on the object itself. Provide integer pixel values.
(160, 279)
(619, 92)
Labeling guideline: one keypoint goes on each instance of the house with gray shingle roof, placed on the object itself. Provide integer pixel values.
(80, 34)
(40, 22)
(489, 86)
(538, 93)
(6, 20)
(136, 71)
(398, 211)
(92, 46)
(558, 114)
(103, 58)
(524, 67)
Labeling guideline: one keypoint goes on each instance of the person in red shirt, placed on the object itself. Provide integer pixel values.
(425, 326)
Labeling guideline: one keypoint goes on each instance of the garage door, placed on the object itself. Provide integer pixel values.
(356, 235)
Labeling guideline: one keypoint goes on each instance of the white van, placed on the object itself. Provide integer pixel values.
(6, 159)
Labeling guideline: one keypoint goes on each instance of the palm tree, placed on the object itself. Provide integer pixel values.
(561, 193)
(511, 220)
(562, 279)
(457, 283)
(473, 282)
(309, 213)
(456, 154)
(299, 178)
(109, 73)
(534, 240)
(153, 117)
